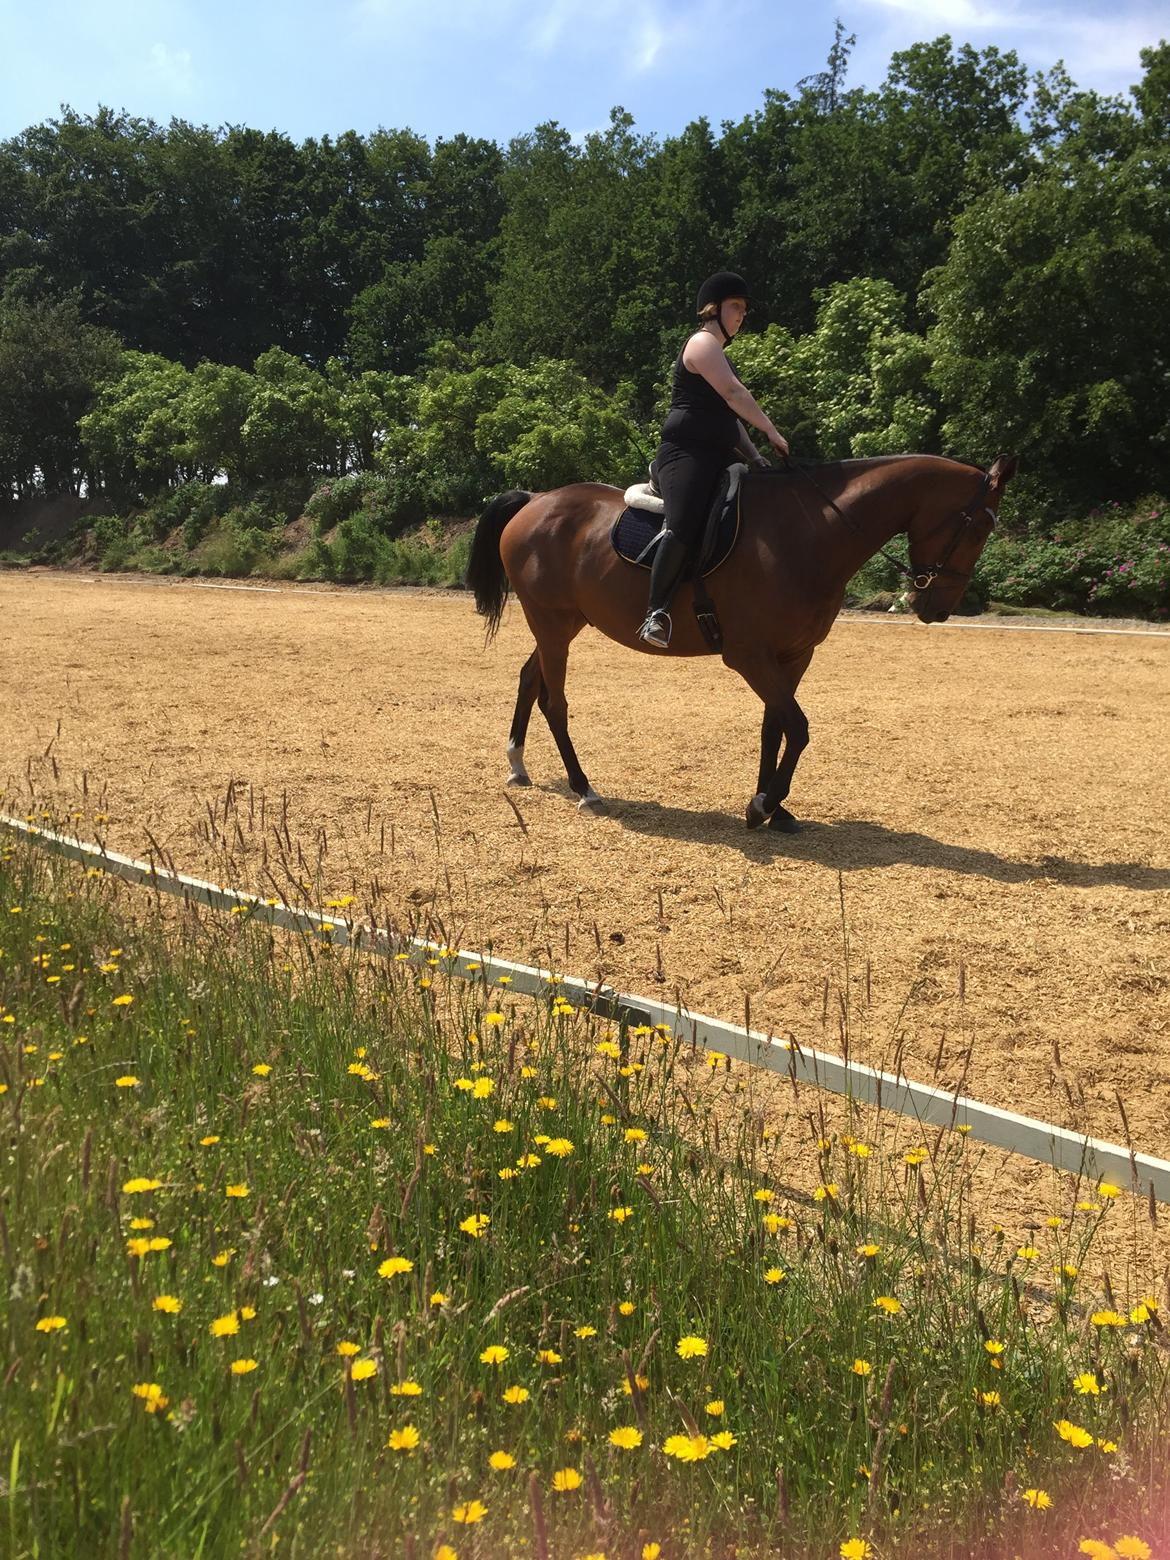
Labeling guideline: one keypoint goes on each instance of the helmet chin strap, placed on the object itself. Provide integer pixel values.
(727, 340)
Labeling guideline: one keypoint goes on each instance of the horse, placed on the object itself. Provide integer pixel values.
(777, 595)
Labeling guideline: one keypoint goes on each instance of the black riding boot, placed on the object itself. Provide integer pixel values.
(665, 572)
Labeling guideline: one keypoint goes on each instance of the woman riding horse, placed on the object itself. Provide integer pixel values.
(700, 437)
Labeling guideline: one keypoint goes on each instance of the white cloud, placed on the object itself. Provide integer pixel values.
(171, 68)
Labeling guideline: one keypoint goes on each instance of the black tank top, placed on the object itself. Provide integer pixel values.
(699, 416)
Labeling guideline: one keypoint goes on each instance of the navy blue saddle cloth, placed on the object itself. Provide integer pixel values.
(635, 528)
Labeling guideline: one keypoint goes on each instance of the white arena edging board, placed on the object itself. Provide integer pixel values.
(1023, 1135)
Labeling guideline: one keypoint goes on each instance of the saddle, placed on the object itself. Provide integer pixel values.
(638, 529)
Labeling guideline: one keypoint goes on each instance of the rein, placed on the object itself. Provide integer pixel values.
(922, 579)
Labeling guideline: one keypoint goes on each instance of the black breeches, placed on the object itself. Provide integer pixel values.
(687, 480)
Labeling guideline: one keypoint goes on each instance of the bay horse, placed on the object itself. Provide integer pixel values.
(802, 537)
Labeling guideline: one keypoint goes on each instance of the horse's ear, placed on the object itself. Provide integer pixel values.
(1003, 468)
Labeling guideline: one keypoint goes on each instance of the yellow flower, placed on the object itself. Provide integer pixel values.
(395, 1265)
(472, 1511)
(379, 1122)
(126, 1081)
(475, 1224)
(404, 1440)
(1087, 1384)
(627, 1307)
(1108, 1191)
(916, 1156)
(888, 1304)
(493, 1020)
(989, 1399)
(775, 1275)
(1096, 1549)
(763, 1194)
(626, 1437)
(1073, 1434)
(262, 1069)
(225, 1326)
(439, 1298)
(585, 1332)
(123, 1001)
(502, 1126)
(239, 1189)
(861, 1367)
(687, 1448)
(642, 1383)
(560, 1148)
(514, 1394)
(724, 1440)
(651, 1551)
(1028, 1253)
(362, 1370)
(347, 1349)
(565, 1479)
(222, 1258)
(1039, 1500)
(482, 1088)
(690, 1347)
(494, 1354)
(206, 1142)
(1131, 1548)
(993, 1346)
(822, 1192)
(153, 1398)
(242, 1367)
(170, 1304)
(775, 1222)
(870, 1249)
(48, 1324)
(620, 1215)
(714, 1408)
(141, 1183)
(502, 1461)
(635, 1135)
(444, 1551)
(548, 1356)
(855, 1549)
(1107, 1319)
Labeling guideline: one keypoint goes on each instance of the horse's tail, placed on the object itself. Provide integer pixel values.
(485, 572)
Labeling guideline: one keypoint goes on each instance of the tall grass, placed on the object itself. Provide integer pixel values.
(309, 1253)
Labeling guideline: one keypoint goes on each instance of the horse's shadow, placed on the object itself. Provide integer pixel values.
(853, 843)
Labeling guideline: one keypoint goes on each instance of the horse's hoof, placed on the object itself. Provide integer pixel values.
(517, 780)
(783, 820)
(592, 803)
(755, 811)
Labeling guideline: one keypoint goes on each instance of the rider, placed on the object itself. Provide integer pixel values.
(708, 408)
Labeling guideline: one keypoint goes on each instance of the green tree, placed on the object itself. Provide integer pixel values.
(135, 435)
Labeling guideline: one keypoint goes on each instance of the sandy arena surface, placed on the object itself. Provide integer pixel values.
(989, 804)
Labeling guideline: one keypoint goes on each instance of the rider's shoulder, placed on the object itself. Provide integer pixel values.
(701, 348)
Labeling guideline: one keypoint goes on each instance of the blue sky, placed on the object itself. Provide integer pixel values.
(498, 67)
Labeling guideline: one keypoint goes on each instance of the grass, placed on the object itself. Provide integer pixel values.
(314, 1254)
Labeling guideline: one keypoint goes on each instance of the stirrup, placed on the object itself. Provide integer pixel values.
(656, 629)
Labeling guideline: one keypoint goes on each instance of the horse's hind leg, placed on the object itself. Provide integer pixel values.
(555, 632)
(530, 682)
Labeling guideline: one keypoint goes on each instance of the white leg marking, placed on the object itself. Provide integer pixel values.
(591, 802)
(519, 775)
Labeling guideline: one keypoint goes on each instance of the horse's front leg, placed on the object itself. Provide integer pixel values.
(771, 731)
(795, 741)
(776, 683)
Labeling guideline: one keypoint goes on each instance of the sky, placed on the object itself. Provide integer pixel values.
(497, 68)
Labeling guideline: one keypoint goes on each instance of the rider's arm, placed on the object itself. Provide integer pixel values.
(702, 355)
(745, 446)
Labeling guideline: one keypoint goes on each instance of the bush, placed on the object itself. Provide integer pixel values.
(340, 497)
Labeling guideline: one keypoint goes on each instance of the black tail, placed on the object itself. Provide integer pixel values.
(485, 573)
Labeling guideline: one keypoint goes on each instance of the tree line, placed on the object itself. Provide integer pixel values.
(967, 258)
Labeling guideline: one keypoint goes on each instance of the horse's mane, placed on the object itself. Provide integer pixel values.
(878, 460)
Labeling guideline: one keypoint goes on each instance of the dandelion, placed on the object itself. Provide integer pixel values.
(123, 1001)
(855, 1549)
(870, 1249)
(627, 1307)
(690, 1347)
(1107, 1319)
(502, 1461)
(1073, 1434)
(651, 1551)
(207, 1142)
(239, 1189)
(548, 1356)
(395, 1265)
(152, 1395)
(170, 1305)
(494, 1354)
(439, 1298)
(775, 1275)
(482, 1088)
(724, 1440)
(471, 1511)
(475, 1224)
(763, 1194)
(126, 1081)
(1096, 1549)
(687, 1448)
(444, 1551)
(637, 1135)
(242, 1367)
(362, 1370)
(1027, 1253)
(502, 1126)
(775, 1222)
(566, 1479)
(404, 1440)
(222, 1258)
(626, 1437)
(48, 1324)
(493, 1020)
(889, 1304)
(140, 1183)
(514, 1395)
(225, 1326)
(1108, 1447)
(915, 1157)
(640, 1381)
(993, 1347)
(406, 1389)
(861, 1368)
(1087, 1384)
(620, 1215)
(714, 1408)
(1130, 1547)
(990, 1399)
(560, 1148)
(1039, 1500)
(347, 1350)
(1108, 1191)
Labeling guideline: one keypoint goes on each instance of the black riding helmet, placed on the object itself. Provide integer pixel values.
(717, 289)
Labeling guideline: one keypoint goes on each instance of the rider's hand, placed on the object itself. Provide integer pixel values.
(778, 443)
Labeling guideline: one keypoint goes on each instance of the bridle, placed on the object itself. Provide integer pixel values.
(921, 579)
